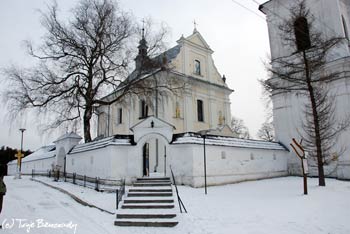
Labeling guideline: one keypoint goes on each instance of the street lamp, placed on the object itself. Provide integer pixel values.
(20, 155)
(204, 133)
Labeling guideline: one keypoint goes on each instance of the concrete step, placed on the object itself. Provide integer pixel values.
(148, 206)
(151, 184)
(139, 194)
(147, 211)
(153, 181)
(151, 190)
(148, 201)
(145, 216)
(154, 178)
(144, 223)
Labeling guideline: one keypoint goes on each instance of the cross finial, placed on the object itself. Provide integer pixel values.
(195, 26)
(143, 28)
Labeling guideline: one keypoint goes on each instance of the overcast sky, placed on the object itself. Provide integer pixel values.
(238, 37)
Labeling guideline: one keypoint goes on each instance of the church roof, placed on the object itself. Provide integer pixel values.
(195, 138)
(104, 142)
(69, 135)
(197, 40)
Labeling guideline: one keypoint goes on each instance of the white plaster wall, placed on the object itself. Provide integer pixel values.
(93, 163)
(225, 164)
(27, 167)
(230, 164)
(180, 158)
(288, 117)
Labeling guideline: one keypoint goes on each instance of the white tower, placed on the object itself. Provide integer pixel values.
(332, 19)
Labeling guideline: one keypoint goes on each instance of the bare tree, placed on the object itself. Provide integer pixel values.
(239, 128)
(78, 62)
(266, 132)
(303, 72)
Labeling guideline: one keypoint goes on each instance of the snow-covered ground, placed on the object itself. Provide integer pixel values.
(266, 206)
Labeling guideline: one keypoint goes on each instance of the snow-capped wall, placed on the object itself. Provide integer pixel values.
(41, 160)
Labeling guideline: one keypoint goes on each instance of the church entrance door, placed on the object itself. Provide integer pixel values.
(145, 153)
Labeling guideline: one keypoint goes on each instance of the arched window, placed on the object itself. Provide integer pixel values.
(345, 27)
(143, 109)
(302, 34)
(197, 67)
(200, 112)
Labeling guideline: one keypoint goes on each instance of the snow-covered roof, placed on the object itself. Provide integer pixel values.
(69, 135)
(113, 140)
(194, 138)
(43, 152)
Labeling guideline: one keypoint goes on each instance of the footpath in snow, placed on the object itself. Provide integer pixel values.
(266, 206)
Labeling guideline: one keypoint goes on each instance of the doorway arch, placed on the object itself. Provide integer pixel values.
(149, 145)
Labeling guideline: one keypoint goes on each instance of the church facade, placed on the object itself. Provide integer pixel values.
(202, 101)
(194, 98)
(332, 19)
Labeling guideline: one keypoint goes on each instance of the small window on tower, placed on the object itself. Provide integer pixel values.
(120, 115)
(197, 67)
(302, 35)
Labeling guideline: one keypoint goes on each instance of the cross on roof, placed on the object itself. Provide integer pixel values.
(195, 24)
(143, 28)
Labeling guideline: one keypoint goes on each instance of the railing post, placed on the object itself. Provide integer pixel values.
(117, 198)
(73, 178)
(49, 173)
(32, 173)
(65, 176)
(96, 185)
(84, 180)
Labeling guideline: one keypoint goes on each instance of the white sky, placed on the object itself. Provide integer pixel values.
(238, 37)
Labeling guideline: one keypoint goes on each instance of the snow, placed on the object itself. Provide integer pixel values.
(265, 206)
(192, 138)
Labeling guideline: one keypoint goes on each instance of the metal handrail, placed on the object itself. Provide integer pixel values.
(119, 193)
(181, 204)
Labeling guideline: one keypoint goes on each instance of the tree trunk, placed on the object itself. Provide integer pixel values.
(318, 140)
(86, 120)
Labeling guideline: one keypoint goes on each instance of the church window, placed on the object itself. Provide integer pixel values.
(200, 113)
(346, 33)
(302, 35)
(120, 115)
(143, 109)
(197, 67)
(91, 160)
(72, 161)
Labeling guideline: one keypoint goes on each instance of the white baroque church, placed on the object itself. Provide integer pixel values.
(332, 19)
(147, 135)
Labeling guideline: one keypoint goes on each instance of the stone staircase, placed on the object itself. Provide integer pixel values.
(149, 203)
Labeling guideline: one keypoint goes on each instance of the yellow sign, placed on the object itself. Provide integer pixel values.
(19, 157)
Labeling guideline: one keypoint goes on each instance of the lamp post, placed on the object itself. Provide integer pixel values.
(204, 133)
(20, 160)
